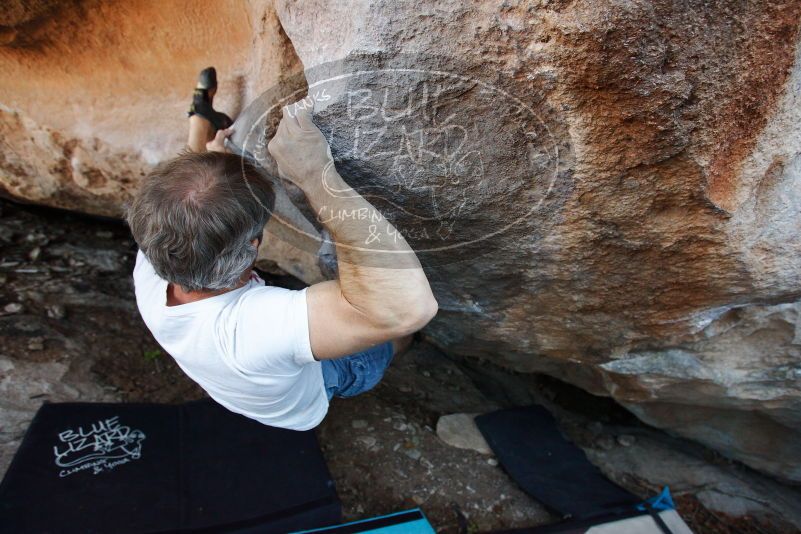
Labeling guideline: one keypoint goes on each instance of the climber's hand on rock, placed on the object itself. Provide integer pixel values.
(300, 149)
(218, 143)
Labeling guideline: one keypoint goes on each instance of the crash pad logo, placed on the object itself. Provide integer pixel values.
(103, 446)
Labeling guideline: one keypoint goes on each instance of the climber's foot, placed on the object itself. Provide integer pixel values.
(203, 97)
(207, 79)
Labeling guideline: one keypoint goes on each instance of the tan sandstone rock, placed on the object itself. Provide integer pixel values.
(607, 192)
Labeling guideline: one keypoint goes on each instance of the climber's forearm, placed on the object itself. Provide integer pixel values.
(379, 273)
(362, 234)
(382, 292)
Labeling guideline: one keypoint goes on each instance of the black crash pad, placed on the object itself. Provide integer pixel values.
(102, 467)
(549, 468)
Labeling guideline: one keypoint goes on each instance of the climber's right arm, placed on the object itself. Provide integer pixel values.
(382, 292)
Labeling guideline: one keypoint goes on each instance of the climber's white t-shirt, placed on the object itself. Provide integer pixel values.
(248, 348)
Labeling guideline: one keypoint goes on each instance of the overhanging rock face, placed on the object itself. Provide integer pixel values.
(92, 95)
(649, 155)
(608, 192)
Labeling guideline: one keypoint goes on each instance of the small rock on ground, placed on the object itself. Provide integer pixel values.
(460, 430)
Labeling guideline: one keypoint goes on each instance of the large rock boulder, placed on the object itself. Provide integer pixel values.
(94, 94)
(649, 156)
(607, 192)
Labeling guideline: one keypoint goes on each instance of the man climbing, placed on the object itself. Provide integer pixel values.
(272, 354)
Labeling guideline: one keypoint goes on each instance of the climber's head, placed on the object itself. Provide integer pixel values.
(199, 219)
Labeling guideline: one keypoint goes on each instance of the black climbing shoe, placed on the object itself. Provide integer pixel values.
(201, 101)
(207, 79)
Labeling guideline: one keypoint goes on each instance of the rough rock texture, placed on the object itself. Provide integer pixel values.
(607, 192)
(660, 262)
(93, 94)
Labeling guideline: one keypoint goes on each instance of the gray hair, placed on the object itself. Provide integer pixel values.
(195, 216)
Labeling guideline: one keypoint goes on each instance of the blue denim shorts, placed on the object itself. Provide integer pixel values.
(351, 375)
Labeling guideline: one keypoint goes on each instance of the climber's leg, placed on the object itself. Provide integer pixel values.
(201, 132)
(360, 372)
(204, 121)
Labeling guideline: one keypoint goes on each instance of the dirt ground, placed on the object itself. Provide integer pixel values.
(70, 330)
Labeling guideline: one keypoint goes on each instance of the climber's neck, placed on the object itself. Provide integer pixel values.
(177, 296)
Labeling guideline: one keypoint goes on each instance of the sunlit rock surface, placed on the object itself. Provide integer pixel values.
(608, 192)
(93, 94)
